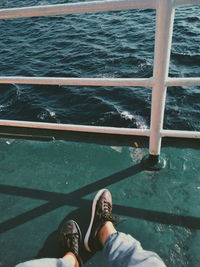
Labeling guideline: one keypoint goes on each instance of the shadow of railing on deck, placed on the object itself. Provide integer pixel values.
(75, 198)
(51, 247)
(97, 138)
(56, 200)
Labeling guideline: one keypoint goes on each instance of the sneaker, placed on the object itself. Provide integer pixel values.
(71, 237)
(101, 213)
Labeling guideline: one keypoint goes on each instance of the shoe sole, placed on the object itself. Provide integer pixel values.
(86, 240)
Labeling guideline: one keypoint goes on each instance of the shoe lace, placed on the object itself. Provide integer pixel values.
(72, 241)
(107, 212)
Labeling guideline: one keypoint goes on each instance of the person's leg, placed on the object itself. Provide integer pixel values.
(106, 230)
(119, 249)
(123, 250)
(70, 236)
(71, 259)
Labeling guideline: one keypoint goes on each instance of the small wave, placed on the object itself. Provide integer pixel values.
(186, 59)
(4, 107)
(10, 95)
(107, 102)
(126, 115)
(138, 120)
(47, 115)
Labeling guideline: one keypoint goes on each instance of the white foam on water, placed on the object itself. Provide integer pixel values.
(51, 113)
(138, 120)
(127, 115)
(47, 113)
(2, 107)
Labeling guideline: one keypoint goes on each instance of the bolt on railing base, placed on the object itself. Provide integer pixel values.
(152, 162)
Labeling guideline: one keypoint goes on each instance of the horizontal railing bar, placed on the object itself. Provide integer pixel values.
(182, 134)
(97, 129)
(146, 82)
(86, 7)
(182, 81)
(73, 8)
(75, 128)
(178, 3)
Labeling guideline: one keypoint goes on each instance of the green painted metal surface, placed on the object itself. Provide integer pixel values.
(43, 183)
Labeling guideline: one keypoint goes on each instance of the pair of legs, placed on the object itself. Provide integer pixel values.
(119, 249)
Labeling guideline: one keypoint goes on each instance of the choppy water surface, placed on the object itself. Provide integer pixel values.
(113, 44)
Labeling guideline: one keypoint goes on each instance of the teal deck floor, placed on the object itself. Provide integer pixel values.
(44, 183)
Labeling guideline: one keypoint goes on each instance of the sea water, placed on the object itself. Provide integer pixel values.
(108, 44)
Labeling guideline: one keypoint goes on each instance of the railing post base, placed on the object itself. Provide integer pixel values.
(152, 163)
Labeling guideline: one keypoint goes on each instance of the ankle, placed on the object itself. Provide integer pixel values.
(106, 230)
(70, 257)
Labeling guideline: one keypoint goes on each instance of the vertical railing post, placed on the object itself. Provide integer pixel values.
(164, 28)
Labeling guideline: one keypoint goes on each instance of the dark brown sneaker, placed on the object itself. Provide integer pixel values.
(71, 238)
(101, 213)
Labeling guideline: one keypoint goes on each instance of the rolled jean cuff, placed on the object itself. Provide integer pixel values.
(124, 250)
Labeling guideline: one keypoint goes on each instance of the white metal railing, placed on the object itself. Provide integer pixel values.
(165, 10)
(87, 7)
(74, 8)
(143, 82)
